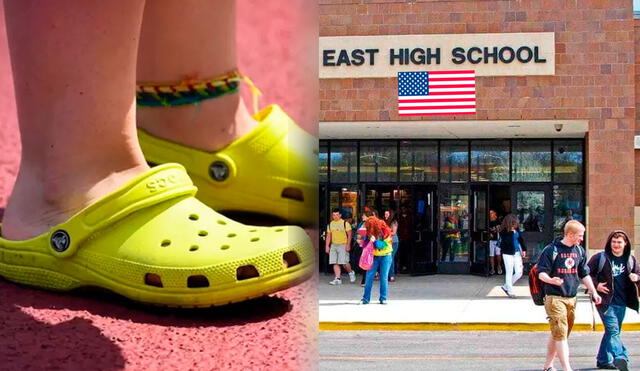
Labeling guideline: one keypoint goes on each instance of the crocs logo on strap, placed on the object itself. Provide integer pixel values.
(161, 183)
(219, 171)
(60, 240)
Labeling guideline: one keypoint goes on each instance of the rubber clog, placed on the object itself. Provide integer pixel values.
(152, 241)
(271, 170)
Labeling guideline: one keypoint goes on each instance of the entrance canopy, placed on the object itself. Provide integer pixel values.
(454, 129)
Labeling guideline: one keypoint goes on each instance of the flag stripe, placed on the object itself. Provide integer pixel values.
(451, 90)
(437, 107)
(439, 79)
(403, 101)
(472, 72)
(437, 113)
(452, 84)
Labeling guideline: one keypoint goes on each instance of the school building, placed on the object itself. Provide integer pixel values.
(546, 130)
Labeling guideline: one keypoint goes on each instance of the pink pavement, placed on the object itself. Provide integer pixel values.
(41, 330)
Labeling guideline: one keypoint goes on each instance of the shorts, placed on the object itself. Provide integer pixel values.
(561, 315)
(338, 254)
(494, 248)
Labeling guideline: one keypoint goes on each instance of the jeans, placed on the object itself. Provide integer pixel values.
(383, 263)
(392, 270)
(512, 270)
(611, 347)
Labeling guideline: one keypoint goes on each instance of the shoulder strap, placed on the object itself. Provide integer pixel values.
(601, 260)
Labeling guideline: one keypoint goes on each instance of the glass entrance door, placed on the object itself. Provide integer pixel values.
(479, 251)
(417, 230)
(532, 206)
(454, 222)
(381, 198)
(344, 198)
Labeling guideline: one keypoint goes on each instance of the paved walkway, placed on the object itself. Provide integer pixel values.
(445, 302)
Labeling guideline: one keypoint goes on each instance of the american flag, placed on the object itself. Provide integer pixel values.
(437, 93)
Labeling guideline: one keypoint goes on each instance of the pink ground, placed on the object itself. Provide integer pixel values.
(41, 330)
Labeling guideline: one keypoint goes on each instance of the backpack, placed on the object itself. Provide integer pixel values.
(536, 285)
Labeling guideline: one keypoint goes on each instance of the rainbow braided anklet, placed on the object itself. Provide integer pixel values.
(187, 91)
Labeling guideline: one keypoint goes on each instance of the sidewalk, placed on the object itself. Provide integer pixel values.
(446, 302)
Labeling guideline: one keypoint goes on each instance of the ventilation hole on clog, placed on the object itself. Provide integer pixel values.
(279, 230)
(165, 243)
(246, 271)
(222, 222)
(153, 279)
(253, 230)
(255, 239)
(224, 247)
(197, 281)
(193, 217)
(230, 235)
(203, 233)
(292, 193)
(290, 259)
(194, 248)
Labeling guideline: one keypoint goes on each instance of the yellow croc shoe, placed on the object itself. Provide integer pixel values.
(271, 170)
(154, 242)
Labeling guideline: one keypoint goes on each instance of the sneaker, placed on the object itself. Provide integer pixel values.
(336, 281)
(362, 302)
(499, 270)
(383, 302)
(492, 272)
(352, 276)
(392, 279)
(621, 364)
(608, 366)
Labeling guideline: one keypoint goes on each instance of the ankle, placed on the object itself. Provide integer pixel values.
(38, 202)
(209, 125)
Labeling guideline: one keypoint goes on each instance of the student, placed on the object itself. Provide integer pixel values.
(378, 231)
(513, 251)
(614, 272)
(562, 266)
(338, 246)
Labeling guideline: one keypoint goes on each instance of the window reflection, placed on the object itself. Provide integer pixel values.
(378, 161)
(530, 207)
(567, 205)
(323, 162)
(418, 161)
(489, 161)
(454, 162)
(344, 163)
(531, 161)
(567, 158)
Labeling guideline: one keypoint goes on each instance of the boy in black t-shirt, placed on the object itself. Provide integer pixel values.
(562, 266)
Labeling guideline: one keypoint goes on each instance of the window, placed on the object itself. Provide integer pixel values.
(418, 161)
(378, 161)
(344, 163)
(454, 162)
(531, 161)
(489, 161)
(567, 162)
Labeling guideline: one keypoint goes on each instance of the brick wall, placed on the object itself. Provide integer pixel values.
(594, 80)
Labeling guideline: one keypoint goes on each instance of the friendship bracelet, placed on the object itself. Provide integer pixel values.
(187, 91)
